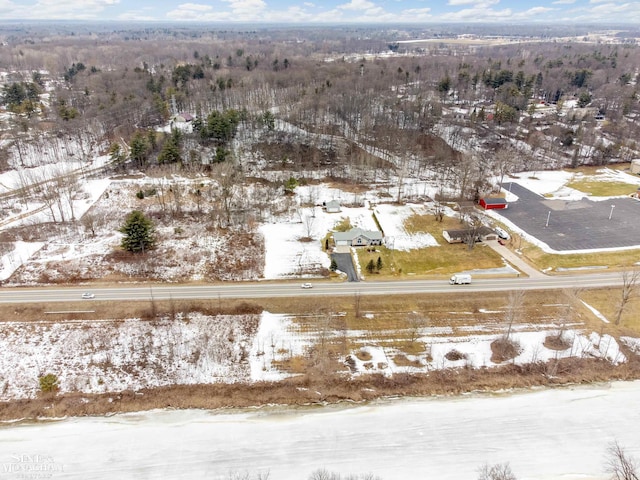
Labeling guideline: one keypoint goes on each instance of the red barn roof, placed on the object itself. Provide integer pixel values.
(493, 203)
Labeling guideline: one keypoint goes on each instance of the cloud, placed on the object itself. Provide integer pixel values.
(237, 10)
(245, 5)
(607, 12)
(373, 11)
(479, 11)
(57, 9)
(196, 7)
(416, 11)
(532, 12)
(615, 8)
(357, 5)
(477, 3)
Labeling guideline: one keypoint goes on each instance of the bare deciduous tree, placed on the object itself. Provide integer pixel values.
(514, 310)
(308, 220)
(228, 178)
(620, 465)
(438, 211)
(630, 285)
(504, 160)
(91, 222)
(415, 323)
(505, 348)
(473, 230)
(68, 187)
(356, 305)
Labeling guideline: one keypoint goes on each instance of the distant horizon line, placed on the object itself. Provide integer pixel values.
(533, 23)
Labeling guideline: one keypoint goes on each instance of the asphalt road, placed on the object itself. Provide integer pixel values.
(273, 289)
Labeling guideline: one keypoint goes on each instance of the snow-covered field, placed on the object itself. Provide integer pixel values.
(558, 434)
(111, 356)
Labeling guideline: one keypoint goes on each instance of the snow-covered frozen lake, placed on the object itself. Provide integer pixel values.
(545, 434)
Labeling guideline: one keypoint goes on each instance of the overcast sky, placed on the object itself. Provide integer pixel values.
(327, 11)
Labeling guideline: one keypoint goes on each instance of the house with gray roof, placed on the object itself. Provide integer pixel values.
(357, 237)
(462, 235)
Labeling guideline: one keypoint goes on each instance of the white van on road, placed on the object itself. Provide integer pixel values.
(460, 279)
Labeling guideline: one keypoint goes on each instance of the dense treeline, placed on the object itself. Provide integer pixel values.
(121, 85)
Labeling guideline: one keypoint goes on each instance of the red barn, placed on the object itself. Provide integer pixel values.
(493, 203)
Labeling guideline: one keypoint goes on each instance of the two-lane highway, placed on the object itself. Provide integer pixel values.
(279, 289)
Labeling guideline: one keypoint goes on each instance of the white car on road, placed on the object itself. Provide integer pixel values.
(307, 285)
(88, 295)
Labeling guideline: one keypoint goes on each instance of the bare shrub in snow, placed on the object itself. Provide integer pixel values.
(454, 355)
(557, 341)
(499, 471)
(504, 349)
(324, 474)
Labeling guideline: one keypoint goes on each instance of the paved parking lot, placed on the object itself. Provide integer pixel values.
(575, 225)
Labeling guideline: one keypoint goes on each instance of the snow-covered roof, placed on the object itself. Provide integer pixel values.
(357, 232)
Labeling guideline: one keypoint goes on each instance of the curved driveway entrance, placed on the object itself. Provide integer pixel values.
(345, 263)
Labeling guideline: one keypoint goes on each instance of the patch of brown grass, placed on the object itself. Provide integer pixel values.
(542, 260)
(408, 346)
(430, 261)
(401, 360)
(363, 355)
(147, 310)
(293, 365)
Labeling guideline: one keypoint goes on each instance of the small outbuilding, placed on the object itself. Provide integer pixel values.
(357, 237)
(635, 166)
(493, 203)
(332, 206)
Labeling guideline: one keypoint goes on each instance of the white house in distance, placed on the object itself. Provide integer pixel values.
(357, 237)
(183, 117)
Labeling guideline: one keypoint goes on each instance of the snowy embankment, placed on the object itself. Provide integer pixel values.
(111, 356)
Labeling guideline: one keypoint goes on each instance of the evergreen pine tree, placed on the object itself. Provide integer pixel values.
(379, 264)
(371, 266)
(170, 152)
(139, 233)
(139, 149)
